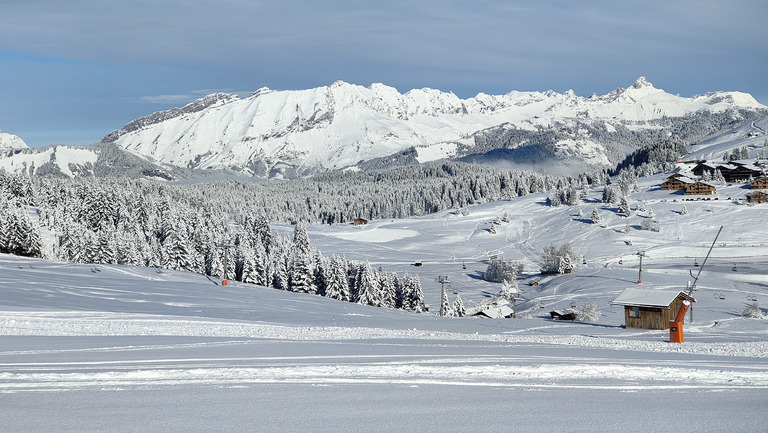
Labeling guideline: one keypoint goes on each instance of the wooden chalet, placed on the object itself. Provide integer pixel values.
(649, 308)
(705, 166)
(757, 197)
(677, 182)
(360, 222)
(743, 172)
(760, 183)
(699, 188)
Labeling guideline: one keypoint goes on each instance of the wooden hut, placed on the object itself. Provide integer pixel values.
(699, 188)
(360, 222)
(757, 197)
(650, 309)
(761, 183)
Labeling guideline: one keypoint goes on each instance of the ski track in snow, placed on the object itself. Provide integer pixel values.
(716, 372)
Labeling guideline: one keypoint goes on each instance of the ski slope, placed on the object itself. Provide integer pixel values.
(116, 348)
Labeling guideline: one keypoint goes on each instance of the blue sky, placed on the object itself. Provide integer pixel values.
(73, 71)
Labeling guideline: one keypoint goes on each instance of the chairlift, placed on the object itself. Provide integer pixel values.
(621, 262)
(733, 268)
(573, 304)
(752, 298)
(453, 289)
(584, 262)
(719, 295)
(463, 266)
(695, 262)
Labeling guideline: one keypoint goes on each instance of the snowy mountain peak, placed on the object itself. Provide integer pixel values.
(261, 91)
(641, 82)
(10, 141)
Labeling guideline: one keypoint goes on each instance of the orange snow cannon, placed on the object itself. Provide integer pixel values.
(676, 325)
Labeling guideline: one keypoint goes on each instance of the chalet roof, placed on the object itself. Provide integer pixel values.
(649, 298)
(751, 167)
(496, 312)
(707, 164)
(680, 176)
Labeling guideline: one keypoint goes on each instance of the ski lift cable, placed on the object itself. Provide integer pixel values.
(701, 268)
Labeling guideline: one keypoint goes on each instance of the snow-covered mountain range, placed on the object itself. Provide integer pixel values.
(286, 134)
(338, 126)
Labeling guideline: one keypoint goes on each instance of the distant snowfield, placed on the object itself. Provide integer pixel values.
(94, 348)
(376, 235)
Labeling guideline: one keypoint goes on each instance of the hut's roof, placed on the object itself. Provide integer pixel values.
(649, 298)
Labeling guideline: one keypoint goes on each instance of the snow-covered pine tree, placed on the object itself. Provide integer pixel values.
(322, 265)
(104, 240)
(369, 289)
(566, 259)
(302, 274)
(623, 207)
(558, 260)
(508, 290)
(444, 307)
(300, 242)
(413, 298)
(175, 252)
(388, 290)
(458, 309)
(337, 282)
(609, 195)
(214, 263)
(595, 217)
(254, 266)
(17, 233)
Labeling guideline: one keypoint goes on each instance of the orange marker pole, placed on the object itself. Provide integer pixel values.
(676, 326)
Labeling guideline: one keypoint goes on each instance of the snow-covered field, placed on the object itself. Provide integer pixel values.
(115, 348)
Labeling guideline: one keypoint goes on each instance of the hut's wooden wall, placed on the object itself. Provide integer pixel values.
(652, 318)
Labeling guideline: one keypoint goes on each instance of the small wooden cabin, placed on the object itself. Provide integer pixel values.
(761, 183)
(699, 188)
(649, 308)
(360, 222)
(757, 197)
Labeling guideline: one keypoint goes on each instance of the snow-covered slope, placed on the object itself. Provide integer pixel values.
(10, 142)
(337, 126)
(101, 159)
(69, 160)
(93, 348)
(752, 136)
